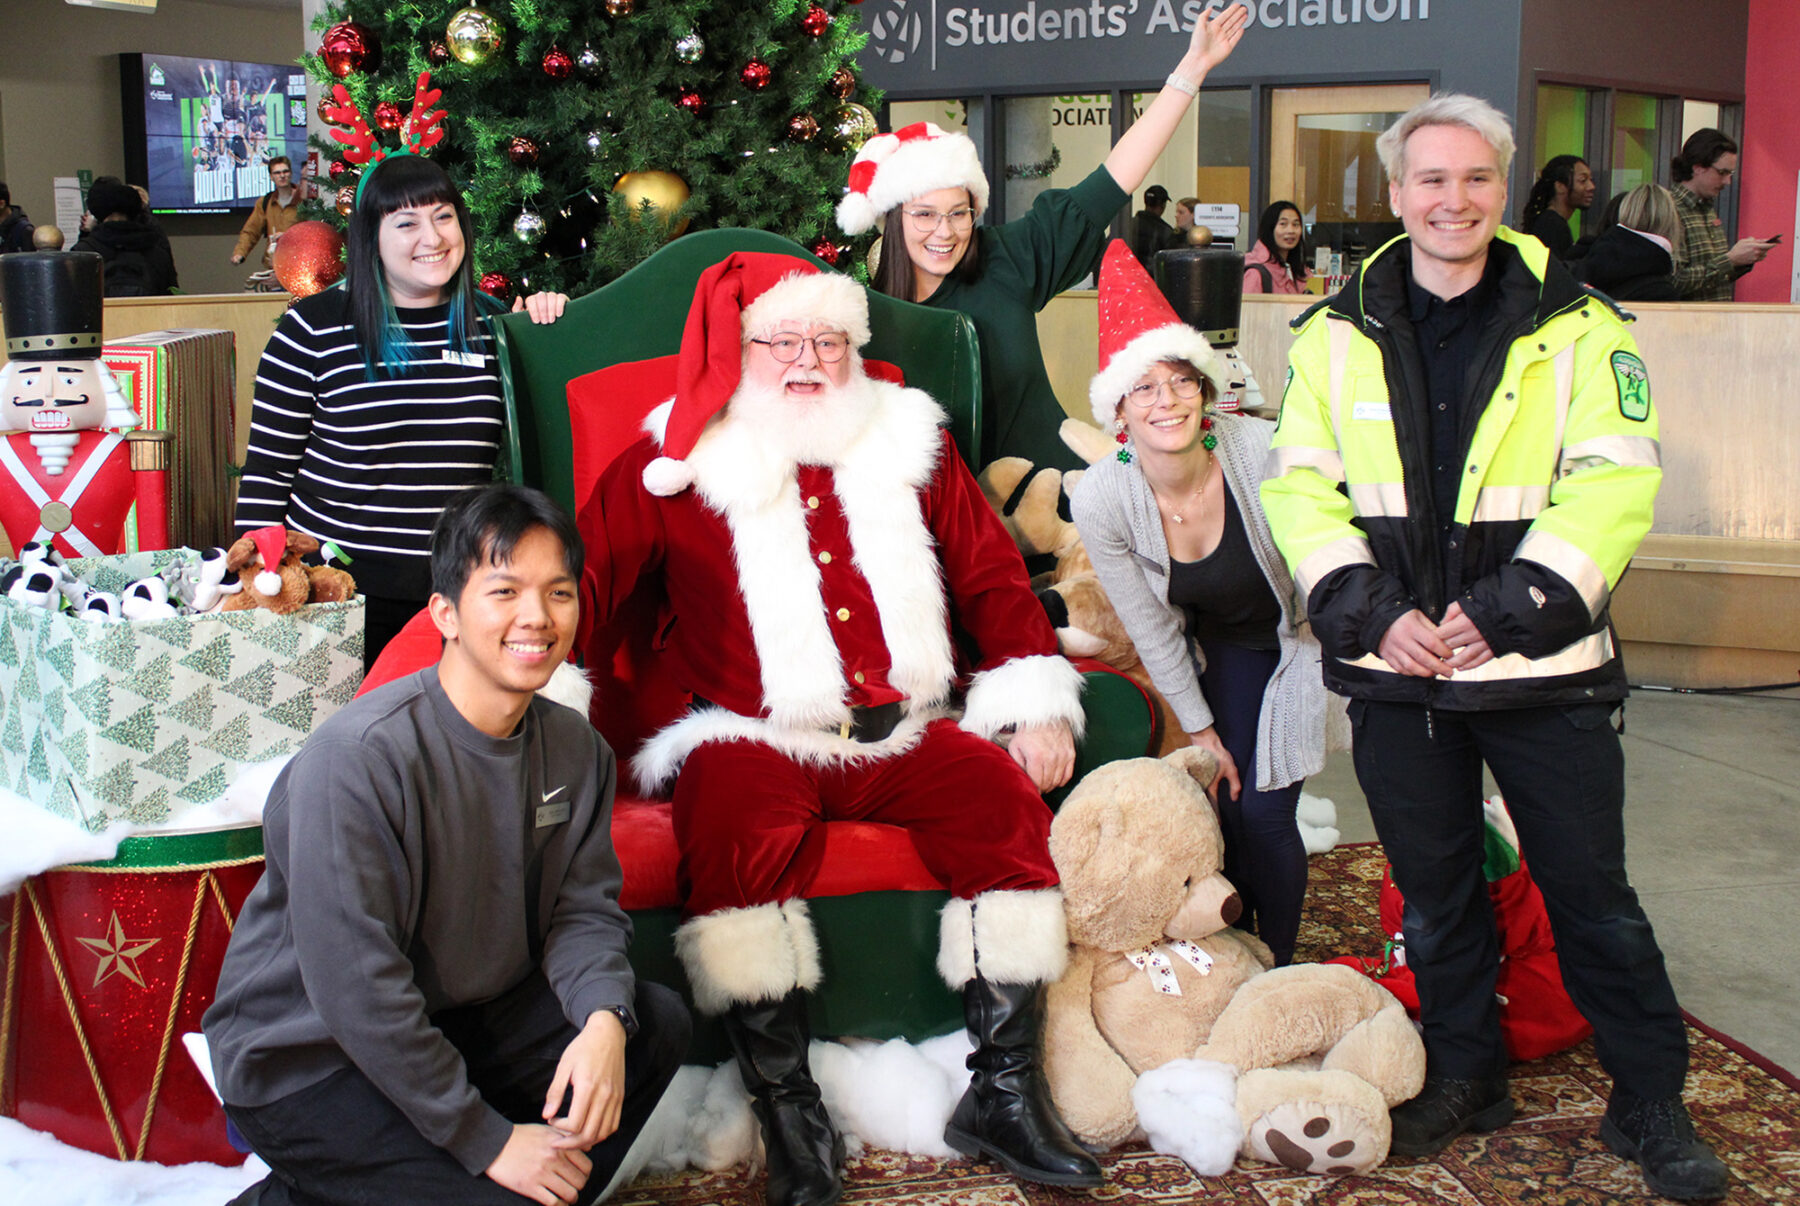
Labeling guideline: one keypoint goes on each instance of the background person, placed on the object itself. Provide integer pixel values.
(1178, 537)
(1564, 186)
(272, 215)
(1457, 530)
(1707, 267)
(925, 188)
(1633, 259)
(139, 262)
(1149, 232)
(378, 400)
(15, 227)
(1277, 263)
(427, 996)
(1184, 217)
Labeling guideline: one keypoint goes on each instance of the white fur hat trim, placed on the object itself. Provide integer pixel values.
(822, 297)
(892, 169)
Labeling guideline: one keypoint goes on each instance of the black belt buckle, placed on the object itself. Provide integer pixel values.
(869, 725)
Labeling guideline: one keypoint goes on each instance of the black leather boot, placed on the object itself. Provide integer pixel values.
(1007, 1115)
(805, 1151)
(1658, 1134)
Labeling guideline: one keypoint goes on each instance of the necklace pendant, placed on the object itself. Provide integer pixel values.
(1176, 516)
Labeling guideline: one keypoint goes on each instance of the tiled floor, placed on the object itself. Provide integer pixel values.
(1713, 825)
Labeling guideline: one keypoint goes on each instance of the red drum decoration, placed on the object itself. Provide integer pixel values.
(309, 258)
(107, 966)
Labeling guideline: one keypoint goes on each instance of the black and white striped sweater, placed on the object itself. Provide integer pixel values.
(368, 464)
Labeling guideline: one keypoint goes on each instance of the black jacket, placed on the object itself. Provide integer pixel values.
(1624, 265)
(139, 262)
(15, 231)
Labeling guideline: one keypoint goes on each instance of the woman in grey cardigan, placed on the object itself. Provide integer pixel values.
(1176, 531)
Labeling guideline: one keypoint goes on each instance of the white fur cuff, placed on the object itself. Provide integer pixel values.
(741, 956)
(1026, 690)
(1009, 937)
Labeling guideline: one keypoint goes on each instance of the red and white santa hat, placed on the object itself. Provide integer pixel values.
(892, 169)
(745, 296)
(1139, 328)
(271, 546)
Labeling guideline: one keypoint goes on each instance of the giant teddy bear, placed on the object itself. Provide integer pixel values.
(1157, 975)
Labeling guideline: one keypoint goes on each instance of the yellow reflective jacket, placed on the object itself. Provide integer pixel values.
(1560, 471)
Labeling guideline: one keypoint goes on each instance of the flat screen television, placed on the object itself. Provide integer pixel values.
(199, 132)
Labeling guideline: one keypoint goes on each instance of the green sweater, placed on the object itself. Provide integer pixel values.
(1024, 264)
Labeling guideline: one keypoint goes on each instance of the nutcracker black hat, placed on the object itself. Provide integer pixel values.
(52, 302)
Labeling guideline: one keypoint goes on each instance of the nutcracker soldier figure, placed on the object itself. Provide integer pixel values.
(69, 473)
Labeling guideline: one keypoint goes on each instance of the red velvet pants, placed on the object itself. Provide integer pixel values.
(749, 820)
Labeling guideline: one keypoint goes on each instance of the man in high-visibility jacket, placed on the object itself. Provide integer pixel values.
(1466, 459)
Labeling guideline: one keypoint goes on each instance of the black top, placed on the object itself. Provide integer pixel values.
(1626, 266)
(1225, 594)
(1553, 231)
(1448, 333)
(139, 262)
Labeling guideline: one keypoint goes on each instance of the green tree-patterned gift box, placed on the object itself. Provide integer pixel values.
(142, 721)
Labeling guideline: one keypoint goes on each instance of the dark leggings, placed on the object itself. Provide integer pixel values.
(1264, 856)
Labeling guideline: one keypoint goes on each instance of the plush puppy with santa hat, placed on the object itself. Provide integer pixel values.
(813, 531)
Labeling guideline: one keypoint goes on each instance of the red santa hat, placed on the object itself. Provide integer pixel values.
(892, 169)
(271, 546)
(744, 296)
(1139, 328)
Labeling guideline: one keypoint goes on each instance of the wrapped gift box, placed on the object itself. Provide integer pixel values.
(184, 382)
(142, 721)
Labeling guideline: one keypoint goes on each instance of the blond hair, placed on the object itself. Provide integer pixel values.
(1446, 109)
(1651, 209)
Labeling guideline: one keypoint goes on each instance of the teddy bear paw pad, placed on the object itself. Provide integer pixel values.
(1311, 1138)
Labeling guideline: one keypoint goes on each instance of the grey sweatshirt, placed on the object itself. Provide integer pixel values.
(400, 843)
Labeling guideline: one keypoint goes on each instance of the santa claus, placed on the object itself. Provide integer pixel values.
(832, 575)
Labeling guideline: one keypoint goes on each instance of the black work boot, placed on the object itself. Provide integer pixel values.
(1444, 1109)
(1658, 1134)
(805, 1151)
(1007, 1115)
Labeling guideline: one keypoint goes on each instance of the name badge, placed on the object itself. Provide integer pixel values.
(466, 359)
(552, 814)
(1378, 412)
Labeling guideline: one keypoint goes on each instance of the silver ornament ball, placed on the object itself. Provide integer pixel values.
(528, 227)
(690, 47)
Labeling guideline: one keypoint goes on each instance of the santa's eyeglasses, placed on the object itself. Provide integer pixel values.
(829, 347)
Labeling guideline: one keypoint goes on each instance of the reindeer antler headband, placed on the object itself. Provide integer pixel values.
(419, 132)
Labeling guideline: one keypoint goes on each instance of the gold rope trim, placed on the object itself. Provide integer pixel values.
(12, 976)
(68, 996)
(168, 870)
(162, 1052)
(218, 895)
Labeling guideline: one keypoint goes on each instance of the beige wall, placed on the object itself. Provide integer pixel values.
(59, 103)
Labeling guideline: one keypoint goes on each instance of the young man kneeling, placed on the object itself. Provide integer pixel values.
(427, 998)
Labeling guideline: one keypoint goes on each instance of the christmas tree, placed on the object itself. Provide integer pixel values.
(586, 133)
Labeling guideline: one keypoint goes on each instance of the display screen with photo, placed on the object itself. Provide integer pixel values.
(199, 132)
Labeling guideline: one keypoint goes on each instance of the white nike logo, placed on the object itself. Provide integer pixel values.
(551, 795)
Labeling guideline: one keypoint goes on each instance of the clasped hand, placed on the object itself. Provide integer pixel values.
(549, 1163)
(1414, 645)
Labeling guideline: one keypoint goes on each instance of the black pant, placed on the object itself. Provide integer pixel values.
(342, 1142)
(383, 618)
(1562, 774)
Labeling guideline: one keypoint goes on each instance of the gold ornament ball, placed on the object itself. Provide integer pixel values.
(474, 36)
(852, 125)
(665, 191)
(620, 8)
(346, 200)
(1199, 236)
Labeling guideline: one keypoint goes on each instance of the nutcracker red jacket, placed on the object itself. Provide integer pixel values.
(793, 593)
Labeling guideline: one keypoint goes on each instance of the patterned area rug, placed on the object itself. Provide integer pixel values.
(1747, 1108)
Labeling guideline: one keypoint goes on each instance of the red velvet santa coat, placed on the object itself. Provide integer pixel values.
(794, 593)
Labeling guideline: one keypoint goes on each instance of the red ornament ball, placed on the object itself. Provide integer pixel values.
(826, 250)
(523, 151)
(815, 22)
(497, 285)
(438, 53)
(557, 63)
(387, 115)
(756, 75)
(338, 168)
(348, 48)
(802, 127)
(691, 101)
(309, 257)
(842, 83)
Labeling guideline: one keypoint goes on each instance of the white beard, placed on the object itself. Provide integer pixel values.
(807, 431)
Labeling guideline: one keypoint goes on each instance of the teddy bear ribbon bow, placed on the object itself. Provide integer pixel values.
(1154, 962)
